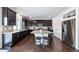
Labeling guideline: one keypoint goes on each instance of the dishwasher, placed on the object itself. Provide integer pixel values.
(7, 40)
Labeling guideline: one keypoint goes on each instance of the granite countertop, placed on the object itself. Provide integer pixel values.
(10, 32)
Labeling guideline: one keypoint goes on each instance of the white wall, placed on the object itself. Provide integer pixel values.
(0, 27)
(18, 21)
(57, 25)
(77, 29)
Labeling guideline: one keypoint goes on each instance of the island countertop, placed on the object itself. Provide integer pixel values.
(41, 31)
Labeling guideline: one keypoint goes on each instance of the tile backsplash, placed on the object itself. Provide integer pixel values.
(7, 28)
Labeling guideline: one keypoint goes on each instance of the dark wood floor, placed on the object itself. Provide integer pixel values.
(27, 45)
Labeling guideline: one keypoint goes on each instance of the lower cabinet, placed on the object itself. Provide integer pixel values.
(17, 37)
(11, 39)
(14, 39)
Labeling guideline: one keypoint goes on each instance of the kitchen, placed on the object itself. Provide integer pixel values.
(15, 30)
(16, 27)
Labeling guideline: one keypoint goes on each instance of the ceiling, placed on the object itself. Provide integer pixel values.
(41, 12)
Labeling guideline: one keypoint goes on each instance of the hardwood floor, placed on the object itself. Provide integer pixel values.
(27, 45)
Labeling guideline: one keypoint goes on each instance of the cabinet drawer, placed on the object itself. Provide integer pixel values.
(14, 35)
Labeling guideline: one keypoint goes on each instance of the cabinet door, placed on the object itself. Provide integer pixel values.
(20, 35)
(24, 22)
(8, 16)
(11, 17)
(14, 39)
(24, 34)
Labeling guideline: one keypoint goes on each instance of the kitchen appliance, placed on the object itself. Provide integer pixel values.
(7, 40)
(68, 32)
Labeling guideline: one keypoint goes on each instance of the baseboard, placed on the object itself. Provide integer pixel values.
(57, 37)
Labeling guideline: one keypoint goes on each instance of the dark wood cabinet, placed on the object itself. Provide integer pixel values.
(24, 21)
(11, 17)
(14, 39)
(37, 22)
(17, 37)
(8, 16)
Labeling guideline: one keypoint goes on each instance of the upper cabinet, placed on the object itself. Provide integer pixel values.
(24, 21)
(39, 22)
(8, 16)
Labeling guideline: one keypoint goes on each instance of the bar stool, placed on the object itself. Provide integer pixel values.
(37, 39)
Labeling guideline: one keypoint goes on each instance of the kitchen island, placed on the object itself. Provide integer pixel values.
(42, 37)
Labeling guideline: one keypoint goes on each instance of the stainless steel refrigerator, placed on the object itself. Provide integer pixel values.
(68, 32)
